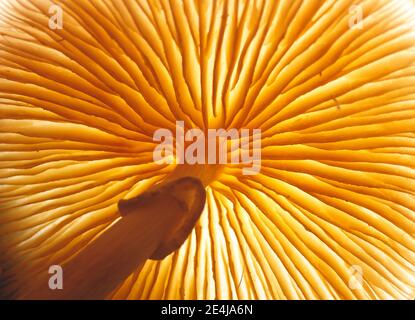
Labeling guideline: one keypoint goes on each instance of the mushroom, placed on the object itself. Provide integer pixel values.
(331, 85)
(154, 224)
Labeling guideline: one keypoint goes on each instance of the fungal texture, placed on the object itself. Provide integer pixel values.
(331, 84)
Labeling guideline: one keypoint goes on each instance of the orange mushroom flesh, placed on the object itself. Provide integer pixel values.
(154, 225)
(331, 84)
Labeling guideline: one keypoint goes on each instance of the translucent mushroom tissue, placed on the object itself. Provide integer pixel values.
(330, 83)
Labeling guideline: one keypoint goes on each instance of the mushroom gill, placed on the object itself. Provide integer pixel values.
(330, 83)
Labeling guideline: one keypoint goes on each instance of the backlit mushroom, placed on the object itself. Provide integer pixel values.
(84, 85)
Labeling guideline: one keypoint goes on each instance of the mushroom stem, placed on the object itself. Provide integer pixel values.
(152, 226)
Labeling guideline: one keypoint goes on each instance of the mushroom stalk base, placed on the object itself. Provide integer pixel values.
(152, 226)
